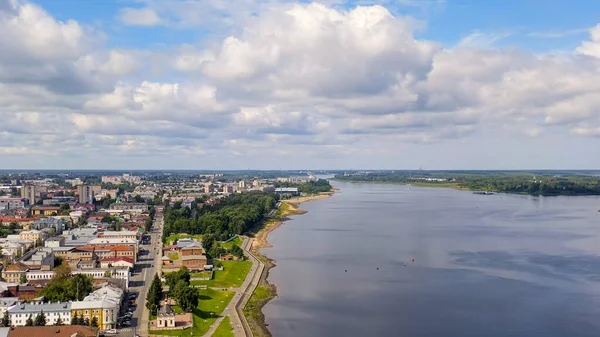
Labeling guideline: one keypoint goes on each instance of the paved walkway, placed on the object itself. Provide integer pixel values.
(241, 297)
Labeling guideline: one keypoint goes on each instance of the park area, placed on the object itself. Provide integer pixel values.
(211, 305)
(232, 275)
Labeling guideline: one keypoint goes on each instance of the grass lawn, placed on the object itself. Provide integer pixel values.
(224, 329)
(202, 274)
(212, 303)
(253, 312)
(174, 256)
(233, 275)
(237, 241)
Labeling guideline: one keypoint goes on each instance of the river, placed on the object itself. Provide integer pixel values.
(485, 265)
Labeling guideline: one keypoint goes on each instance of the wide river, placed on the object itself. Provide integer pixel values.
(497, 265)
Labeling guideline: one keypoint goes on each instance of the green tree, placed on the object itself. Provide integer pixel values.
(59, 321)
(76, 320)
(95, 322)
(107, 273)
(154, 295)
(6, 319)
(188, 299)
(86, 322)
(23, 279)
(29, 321)
(237, 251)
(40, 319)
(176, 291)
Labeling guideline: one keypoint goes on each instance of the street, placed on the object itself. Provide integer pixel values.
(144, 271)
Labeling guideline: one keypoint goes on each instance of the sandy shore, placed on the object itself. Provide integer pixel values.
(287, 207)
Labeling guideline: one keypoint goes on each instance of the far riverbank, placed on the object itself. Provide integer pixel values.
(265, 291)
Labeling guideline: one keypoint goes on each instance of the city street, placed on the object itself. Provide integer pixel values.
(145, 268)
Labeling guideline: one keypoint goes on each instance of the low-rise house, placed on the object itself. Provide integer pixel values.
(55, 242)
(44, 259)
(35, 235)
(102, 252)
(13, 272)
(120, 235)
(17, 249)
(165, 317)
(53, 311)
(13, 203)
(7, 303)
(130, 206)
(117, 262)
(45, 210)
(192, 256)
(45, 223)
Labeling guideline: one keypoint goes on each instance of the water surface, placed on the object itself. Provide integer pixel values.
(500, 265)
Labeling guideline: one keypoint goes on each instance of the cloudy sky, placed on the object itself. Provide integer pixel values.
(279, 84)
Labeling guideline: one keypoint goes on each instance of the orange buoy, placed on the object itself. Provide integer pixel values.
(405, 264)
(413, 259)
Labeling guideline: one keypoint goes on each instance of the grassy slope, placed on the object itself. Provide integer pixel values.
(237, 241)
(232, 275)
(224, 329)
(212, 303)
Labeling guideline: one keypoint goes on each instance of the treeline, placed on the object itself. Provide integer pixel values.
(311, 187)
(235, 214)
(497, 182)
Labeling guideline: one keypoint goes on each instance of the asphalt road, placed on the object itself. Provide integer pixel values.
(140, 282)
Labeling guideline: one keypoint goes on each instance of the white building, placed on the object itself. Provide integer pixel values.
(20, 312)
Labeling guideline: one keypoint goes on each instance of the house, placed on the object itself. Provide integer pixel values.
(166, 261)
(16, 249)
(102, 252)
(13, 272)
(165, 317)
(53, 311)
(25, 293)
(45, 210)
(53, 331)
(130, 206)
(117, 262)
(120, 234)
(105, 310)
(35, 235)
(6, 221)
(114, 242)
(53, 223)
(192, 256)
(7, 303)
(43, 258)
(13, 203)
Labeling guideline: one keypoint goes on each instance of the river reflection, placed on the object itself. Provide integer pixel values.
(485, 265)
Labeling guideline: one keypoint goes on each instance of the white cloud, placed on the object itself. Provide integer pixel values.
(343, 86)
(139, 17)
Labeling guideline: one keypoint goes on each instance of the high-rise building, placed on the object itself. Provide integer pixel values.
(86, 193)
(33, 192)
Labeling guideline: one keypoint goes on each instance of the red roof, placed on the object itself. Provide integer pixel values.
(111, 248)
(7, 219)
(117, 259)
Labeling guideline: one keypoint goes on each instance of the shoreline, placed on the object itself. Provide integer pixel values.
(266, 291)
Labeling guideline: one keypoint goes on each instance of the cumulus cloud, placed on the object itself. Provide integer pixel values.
(306, 79)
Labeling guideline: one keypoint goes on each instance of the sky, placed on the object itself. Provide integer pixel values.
(281, 84)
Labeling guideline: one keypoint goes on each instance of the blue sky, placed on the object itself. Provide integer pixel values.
(214, 84)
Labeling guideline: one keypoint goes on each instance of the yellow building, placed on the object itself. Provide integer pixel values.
(103, 304)
(34, 235)
(45, 210)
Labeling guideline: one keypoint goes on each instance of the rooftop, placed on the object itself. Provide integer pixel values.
(53, 331)
(36, 308)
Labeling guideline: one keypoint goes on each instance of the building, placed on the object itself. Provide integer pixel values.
(53, 311)
(109, 262)
(13, 272)
(37, 236)
(227, 189)
(242, 185)
(16, 249)
(45, 210)
(42, 258)
(98, 252)
(120, 234)
(54, 223)
(130, 206)
(87, 193)
(13, 203)
(105, 242)
(7, 303)
(287, 191)
(103, 304)
(52, 331)
(33, 192)
(192, 256)
(115, 272)
(165, 317)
